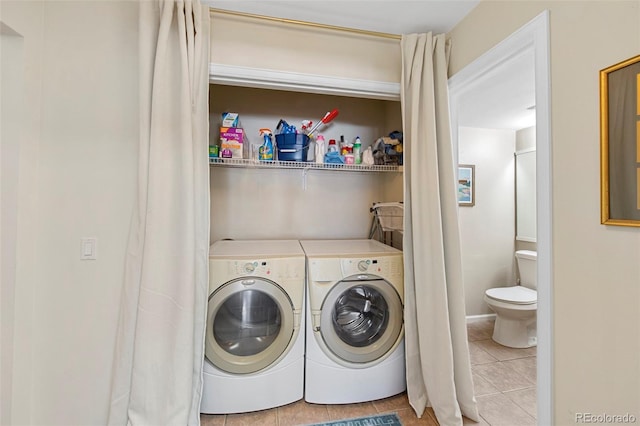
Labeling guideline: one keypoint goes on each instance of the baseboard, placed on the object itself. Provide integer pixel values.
(477, 318)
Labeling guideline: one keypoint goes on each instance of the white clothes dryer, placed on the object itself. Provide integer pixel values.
(254, 346)
(355, 329)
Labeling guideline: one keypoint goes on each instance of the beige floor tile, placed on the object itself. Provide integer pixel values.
(212, 419)
(480, 422)
(503, 353)
(302, 413)
(525, 366)
(394, 403)
(478, 355)
(408, 418)
(483, 387)
(502, 376)
(525, 399)
(504, 383)
(465, 420)
(348, 411)
(498, 410)
(262, 418)
(481, 330)
(469, 422)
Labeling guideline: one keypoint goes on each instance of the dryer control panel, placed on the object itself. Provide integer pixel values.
(389, 267)
(265, 268)
(275, 269)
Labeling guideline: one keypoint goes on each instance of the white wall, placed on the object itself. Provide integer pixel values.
(11, 97)
(526, 138)
(250, 42)
(77, 179)
(250, 203)
(487, 229)
(596, 272)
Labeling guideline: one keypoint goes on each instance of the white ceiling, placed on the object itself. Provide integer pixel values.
(387, 16)
(504, 98)
(500, 103)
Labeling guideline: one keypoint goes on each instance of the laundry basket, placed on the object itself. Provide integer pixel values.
(387, 225)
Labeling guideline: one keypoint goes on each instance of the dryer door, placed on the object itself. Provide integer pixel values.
(250, 325)
(361, 319)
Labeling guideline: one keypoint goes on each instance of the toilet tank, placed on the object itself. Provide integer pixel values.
(527, 267)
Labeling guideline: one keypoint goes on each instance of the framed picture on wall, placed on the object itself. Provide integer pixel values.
(620, 143)
(466, 185)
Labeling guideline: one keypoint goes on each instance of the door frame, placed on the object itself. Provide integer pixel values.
(534, 37)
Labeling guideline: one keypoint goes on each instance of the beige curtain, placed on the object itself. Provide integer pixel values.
(438, 365)
(157, 377)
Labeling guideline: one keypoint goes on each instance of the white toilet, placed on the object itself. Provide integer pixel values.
(516, 306)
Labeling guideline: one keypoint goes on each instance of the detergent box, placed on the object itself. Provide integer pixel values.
(230, 119)
(231, 142)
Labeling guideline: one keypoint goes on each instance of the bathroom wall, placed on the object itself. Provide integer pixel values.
(526, 138)
(488, 228)
(299, 203)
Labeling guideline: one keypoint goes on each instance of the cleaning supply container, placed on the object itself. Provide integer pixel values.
(292, 146)
(265, 152)
(320, 149)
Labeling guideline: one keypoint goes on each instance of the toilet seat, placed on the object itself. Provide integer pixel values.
(517, 295)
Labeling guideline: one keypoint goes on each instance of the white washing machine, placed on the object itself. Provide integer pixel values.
(254, 343)
(355, 329)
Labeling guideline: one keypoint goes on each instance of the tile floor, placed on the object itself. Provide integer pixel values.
(504, 381)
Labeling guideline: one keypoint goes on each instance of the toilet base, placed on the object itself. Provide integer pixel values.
(515, 333)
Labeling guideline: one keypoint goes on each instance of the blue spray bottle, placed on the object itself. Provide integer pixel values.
(265, 152)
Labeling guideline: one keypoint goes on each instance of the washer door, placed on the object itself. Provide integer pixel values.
(250, 324)
(361, 319)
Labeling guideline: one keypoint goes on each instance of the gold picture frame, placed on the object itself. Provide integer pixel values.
(620, 143)
(466, 185)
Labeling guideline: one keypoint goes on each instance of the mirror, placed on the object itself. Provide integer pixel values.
(526, 195)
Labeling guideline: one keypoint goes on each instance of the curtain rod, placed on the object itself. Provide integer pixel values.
(308, 24)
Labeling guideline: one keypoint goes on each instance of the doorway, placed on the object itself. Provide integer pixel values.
(529, 41)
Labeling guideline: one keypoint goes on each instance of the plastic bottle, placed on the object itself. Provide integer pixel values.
(344, 147)
(332, 146)
(320, 149)
(265, 152)
(357, 146)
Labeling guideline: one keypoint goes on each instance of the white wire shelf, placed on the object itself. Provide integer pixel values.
(247, 163)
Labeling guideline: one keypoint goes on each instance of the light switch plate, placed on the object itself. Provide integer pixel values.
(88, 248)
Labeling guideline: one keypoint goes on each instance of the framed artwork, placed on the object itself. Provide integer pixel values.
(466, 185)
(620, 143)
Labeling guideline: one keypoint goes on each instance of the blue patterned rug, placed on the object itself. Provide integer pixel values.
(379, 420)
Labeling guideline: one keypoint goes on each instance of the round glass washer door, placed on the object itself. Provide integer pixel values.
(250, 324)
(361, 320)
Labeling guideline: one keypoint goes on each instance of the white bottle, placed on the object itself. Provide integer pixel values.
(320, 149)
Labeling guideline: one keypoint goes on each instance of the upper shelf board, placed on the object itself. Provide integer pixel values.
(232, 75)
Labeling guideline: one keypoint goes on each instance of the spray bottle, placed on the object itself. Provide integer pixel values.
(265, 152)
